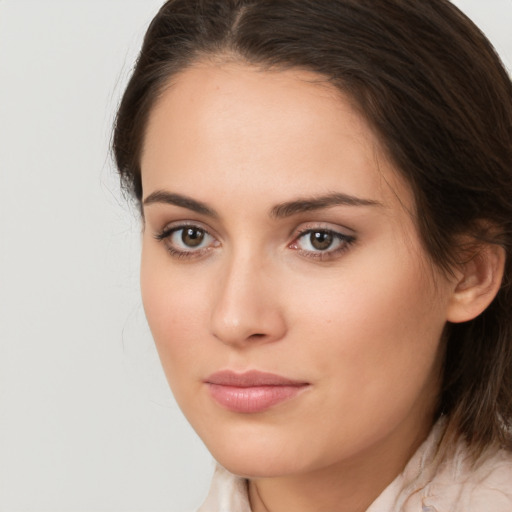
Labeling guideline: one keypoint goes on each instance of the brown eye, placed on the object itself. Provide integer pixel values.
(322, 244)
(192, 237)
(321, 240)
(187, 241)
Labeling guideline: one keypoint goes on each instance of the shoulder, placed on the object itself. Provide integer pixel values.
(432, 482)
(461, 485)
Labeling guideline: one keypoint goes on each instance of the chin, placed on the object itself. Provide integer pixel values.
(258, 467)
(258, 457)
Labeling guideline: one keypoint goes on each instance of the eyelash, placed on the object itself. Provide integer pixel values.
(344, 242)
(166, 234)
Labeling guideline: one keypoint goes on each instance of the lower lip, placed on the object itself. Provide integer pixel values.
(252, 399)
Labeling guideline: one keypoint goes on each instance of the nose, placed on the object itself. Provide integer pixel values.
(246, 307)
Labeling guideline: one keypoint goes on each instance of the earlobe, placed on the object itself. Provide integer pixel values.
(478, 281)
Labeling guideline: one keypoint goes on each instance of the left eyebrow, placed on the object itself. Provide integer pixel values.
(290, 208)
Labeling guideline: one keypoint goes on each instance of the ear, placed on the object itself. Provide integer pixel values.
(477, 283)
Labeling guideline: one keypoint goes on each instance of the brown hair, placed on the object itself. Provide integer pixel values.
(436, 93)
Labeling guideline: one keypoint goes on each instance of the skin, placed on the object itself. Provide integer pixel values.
(360, 322)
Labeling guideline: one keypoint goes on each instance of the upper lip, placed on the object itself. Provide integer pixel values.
(252, 378)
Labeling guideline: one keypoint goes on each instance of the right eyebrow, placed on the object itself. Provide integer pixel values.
(162, 196)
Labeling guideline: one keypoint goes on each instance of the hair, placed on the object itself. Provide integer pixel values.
(435, 92)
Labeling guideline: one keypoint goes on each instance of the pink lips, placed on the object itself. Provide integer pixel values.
(252, 391)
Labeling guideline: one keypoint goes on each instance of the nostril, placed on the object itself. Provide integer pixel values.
(256, 335)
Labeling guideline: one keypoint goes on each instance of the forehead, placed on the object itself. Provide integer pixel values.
(246, 128)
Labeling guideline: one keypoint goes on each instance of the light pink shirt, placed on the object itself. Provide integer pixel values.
(425, 485)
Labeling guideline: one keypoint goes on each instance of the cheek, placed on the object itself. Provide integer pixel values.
(373, 331)
(374, 297)
(174, 308)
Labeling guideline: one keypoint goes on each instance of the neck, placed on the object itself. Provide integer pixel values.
(350, 486)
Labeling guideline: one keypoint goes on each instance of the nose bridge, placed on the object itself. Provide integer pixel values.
(245, 307)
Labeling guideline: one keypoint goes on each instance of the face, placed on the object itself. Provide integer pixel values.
(295, 312)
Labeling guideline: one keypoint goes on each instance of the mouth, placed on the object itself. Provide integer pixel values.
(252, 391)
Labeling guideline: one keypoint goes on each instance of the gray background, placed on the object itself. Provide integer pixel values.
(86, 420)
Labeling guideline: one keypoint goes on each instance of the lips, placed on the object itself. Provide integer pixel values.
(252, 391)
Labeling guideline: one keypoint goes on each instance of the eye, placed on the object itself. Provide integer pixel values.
(187, 241)
(189, 237)
(319, 240)
(322, 243)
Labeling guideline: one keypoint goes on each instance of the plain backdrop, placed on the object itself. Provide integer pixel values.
(86, 420)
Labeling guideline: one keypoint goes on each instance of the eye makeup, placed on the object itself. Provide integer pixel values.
(191, 240)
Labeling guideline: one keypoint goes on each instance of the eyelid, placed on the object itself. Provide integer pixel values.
(322, 226)
(171, 227)
(166, 233)
(345, 236)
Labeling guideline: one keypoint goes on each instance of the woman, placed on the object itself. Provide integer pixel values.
(325, 194)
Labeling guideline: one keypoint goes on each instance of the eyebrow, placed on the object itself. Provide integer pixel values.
(281, 210)
(161, 196)
(317, 203)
